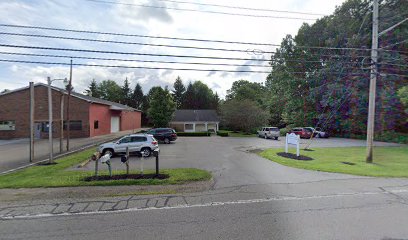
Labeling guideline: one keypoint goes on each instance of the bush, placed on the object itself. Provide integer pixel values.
(193, 134)
(283, 131)
(223, 133)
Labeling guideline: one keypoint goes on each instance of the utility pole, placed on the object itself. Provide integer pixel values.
(373, 83)
(51, 160)
(31, 121)
(69, 96)
(62, 123)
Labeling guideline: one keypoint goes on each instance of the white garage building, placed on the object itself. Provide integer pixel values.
(195, 121)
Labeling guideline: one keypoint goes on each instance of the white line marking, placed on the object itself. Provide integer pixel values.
(211, 204)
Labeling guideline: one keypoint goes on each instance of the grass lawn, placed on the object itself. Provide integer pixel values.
(388, 161)
(57, 175)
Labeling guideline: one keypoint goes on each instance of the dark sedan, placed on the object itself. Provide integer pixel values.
(165, 135)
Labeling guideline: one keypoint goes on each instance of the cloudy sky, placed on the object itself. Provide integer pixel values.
(123, 17)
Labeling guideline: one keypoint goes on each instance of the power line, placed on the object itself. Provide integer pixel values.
(244, 8)
(132, 43)
(132, 67)
(150, 68)
(160, 37)
(201, 11)
(131, 60)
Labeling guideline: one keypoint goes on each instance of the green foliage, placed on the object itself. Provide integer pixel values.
(137, 99)
(93, 90)
(178, 92)
(223, 133)
(390, 161)
(126, 94)
(283, 131)
(193, 134)
(161, 107)
(245, 90)
(403, 95)
(329, 88)
(199, 96)
(242, 115)
(111, 91)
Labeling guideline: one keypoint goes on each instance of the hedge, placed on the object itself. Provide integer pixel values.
(193, 134)
(223, 133)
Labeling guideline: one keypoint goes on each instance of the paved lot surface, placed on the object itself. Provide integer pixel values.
(252, 198)
(15, 153)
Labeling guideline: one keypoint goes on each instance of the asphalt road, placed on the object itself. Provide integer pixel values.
(252, 198)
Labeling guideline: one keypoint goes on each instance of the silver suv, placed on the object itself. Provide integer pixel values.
(269, 132)
(143, 143)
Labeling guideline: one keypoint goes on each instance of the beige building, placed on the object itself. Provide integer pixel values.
(195, 121)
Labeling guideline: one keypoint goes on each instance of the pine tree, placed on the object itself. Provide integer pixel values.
(137, 97)
(161, 107)
(126, 93)
(93, 90)
(178, 92)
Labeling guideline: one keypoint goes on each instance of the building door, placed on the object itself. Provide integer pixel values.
(37, 130)
(115, 124)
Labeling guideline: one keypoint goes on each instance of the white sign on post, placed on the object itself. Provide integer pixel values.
(292, 139)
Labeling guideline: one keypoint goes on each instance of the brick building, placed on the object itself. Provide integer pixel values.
(89, 116)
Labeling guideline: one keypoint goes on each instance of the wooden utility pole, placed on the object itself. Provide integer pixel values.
(62, 123)
(373, 83)
(69, 96)
(31, 121)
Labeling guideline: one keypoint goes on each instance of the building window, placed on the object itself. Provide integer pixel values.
(73, 125)
(7, 125)
(96, 124)
(189, 126)
(45, 127)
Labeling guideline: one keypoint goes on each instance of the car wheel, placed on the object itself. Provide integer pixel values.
(276, 138)
(108, 151)
(146, 152)
(166, 141)
(266, 137)
(319, 136)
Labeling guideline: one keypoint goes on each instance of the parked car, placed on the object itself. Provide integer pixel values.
(269, 132)
(302, 132)
(165, 135)
(139, 143)
(317, 132)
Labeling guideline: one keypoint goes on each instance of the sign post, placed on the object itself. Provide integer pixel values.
(292, 139)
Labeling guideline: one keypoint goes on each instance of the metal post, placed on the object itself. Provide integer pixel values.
(62, 123)
(127, 160)
(157, 165)
(31, 121)
(51, 160)
(373, 83)
(69, 96)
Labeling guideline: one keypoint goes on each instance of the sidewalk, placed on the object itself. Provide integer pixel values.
(16, 153)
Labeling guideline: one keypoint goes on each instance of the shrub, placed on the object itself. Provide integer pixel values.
(193, 134)
(283, 131)
(223, 133)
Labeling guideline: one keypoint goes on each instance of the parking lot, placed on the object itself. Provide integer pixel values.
(232, 161)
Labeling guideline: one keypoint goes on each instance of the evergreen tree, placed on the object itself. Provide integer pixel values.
(189, 98)
(93, 89)
(126, 93)
(110, 90)
(161, 107)
(137, 97)
(178, 92)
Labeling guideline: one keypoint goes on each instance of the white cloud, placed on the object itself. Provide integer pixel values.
(77, 14)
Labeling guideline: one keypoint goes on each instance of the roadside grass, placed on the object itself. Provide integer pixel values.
(57, 175)
(388, 161)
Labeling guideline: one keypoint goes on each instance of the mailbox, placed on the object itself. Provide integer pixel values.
(124, 159)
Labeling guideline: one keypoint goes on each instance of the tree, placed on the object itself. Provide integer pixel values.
(244, 89)
(178, 92)
(110, 90)
(243, 115)
(403, 95)
(161, 107)
(198, 96)
(93, 89)
(137, 97)
(126, 93)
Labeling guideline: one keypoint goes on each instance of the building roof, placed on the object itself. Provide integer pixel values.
(113, 105)
(189, 115)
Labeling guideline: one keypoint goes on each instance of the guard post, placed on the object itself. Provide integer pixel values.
(156, 155)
